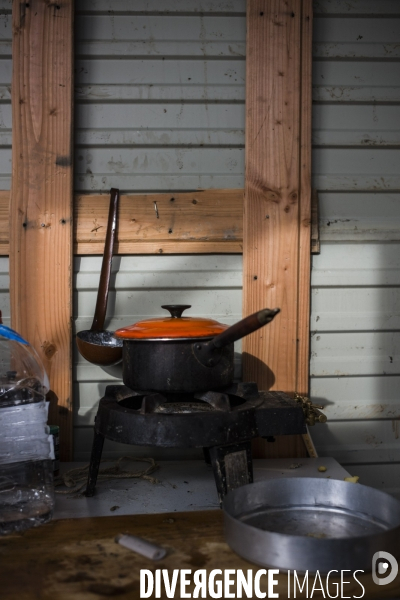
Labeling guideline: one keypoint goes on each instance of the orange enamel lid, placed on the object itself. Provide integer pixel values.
(173, 327)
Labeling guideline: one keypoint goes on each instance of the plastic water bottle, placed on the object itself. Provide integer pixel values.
(26, 446)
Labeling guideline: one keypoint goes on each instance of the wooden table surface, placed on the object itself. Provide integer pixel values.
(78, 559)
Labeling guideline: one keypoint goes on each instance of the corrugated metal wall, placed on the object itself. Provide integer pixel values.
(355, 280)
(160, 106)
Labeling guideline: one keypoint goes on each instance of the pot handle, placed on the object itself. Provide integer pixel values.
(205, 352)
(244, 327)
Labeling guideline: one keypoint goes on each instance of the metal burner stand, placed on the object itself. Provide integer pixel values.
(222, 423)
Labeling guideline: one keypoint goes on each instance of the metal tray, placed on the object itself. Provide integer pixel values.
(311, 524)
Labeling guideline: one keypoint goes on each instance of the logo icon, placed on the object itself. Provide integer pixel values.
(387, 565)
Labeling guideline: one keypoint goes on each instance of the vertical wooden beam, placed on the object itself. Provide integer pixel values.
(305, 199)
(41, 195)
(276, 225)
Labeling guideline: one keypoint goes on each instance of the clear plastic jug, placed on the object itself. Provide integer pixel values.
(26, 446)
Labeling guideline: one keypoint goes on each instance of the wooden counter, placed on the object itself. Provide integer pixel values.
(77, 559)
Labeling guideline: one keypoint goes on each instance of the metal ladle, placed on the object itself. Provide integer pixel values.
(96, 345)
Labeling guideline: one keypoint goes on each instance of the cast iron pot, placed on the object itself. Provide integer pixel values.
(181, 354)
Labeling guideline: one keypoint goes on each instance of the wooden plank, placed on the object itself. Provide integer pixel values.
(277, 205)
(207, 221)
(272, 187)
(219, 228)
(304, 265)
(202, 221)
(78, 558)
(41, 199)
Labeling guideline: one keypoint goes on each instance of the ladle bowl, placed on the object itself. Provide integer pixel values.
(99, 347)
(96, 345)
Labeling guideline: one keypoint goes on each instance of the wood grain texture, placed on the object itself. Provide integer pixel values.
(209, 221)
(272, 189)
(202, 221)
(304, 261)
(277, 204)
(41, 197)
(78, 559)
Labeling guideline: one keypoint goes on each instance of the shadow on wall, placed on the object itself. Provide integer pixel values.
(257, 370)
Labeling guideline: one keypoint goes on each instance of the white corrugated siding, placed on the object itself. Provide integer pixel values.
(355, 358)
(160, 106)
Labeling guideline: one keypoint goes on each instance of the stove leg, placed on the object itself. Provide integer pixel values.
(232, 466)
(206, 454)
(95, 458)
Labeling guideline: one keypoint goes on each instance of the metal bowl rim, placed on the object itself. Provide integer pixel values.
(235, 520)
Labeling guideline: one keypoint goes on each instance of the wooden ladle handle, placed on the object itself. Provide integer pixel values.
(105, 273)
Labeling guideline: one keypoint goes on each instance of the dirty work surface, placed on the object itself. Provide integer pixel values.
(77, 559)
(185, 485)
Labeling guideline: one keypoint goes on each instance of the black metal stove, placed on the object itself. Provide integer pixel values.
(223, 423)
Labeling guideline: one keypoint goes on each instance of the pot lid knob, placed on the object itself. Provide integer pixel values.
(176, 310)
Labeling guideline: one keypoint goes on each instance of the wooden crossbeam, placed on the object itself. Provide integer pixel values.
(196, 222)
(41, 197)
(209, 221)
(199, 222)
